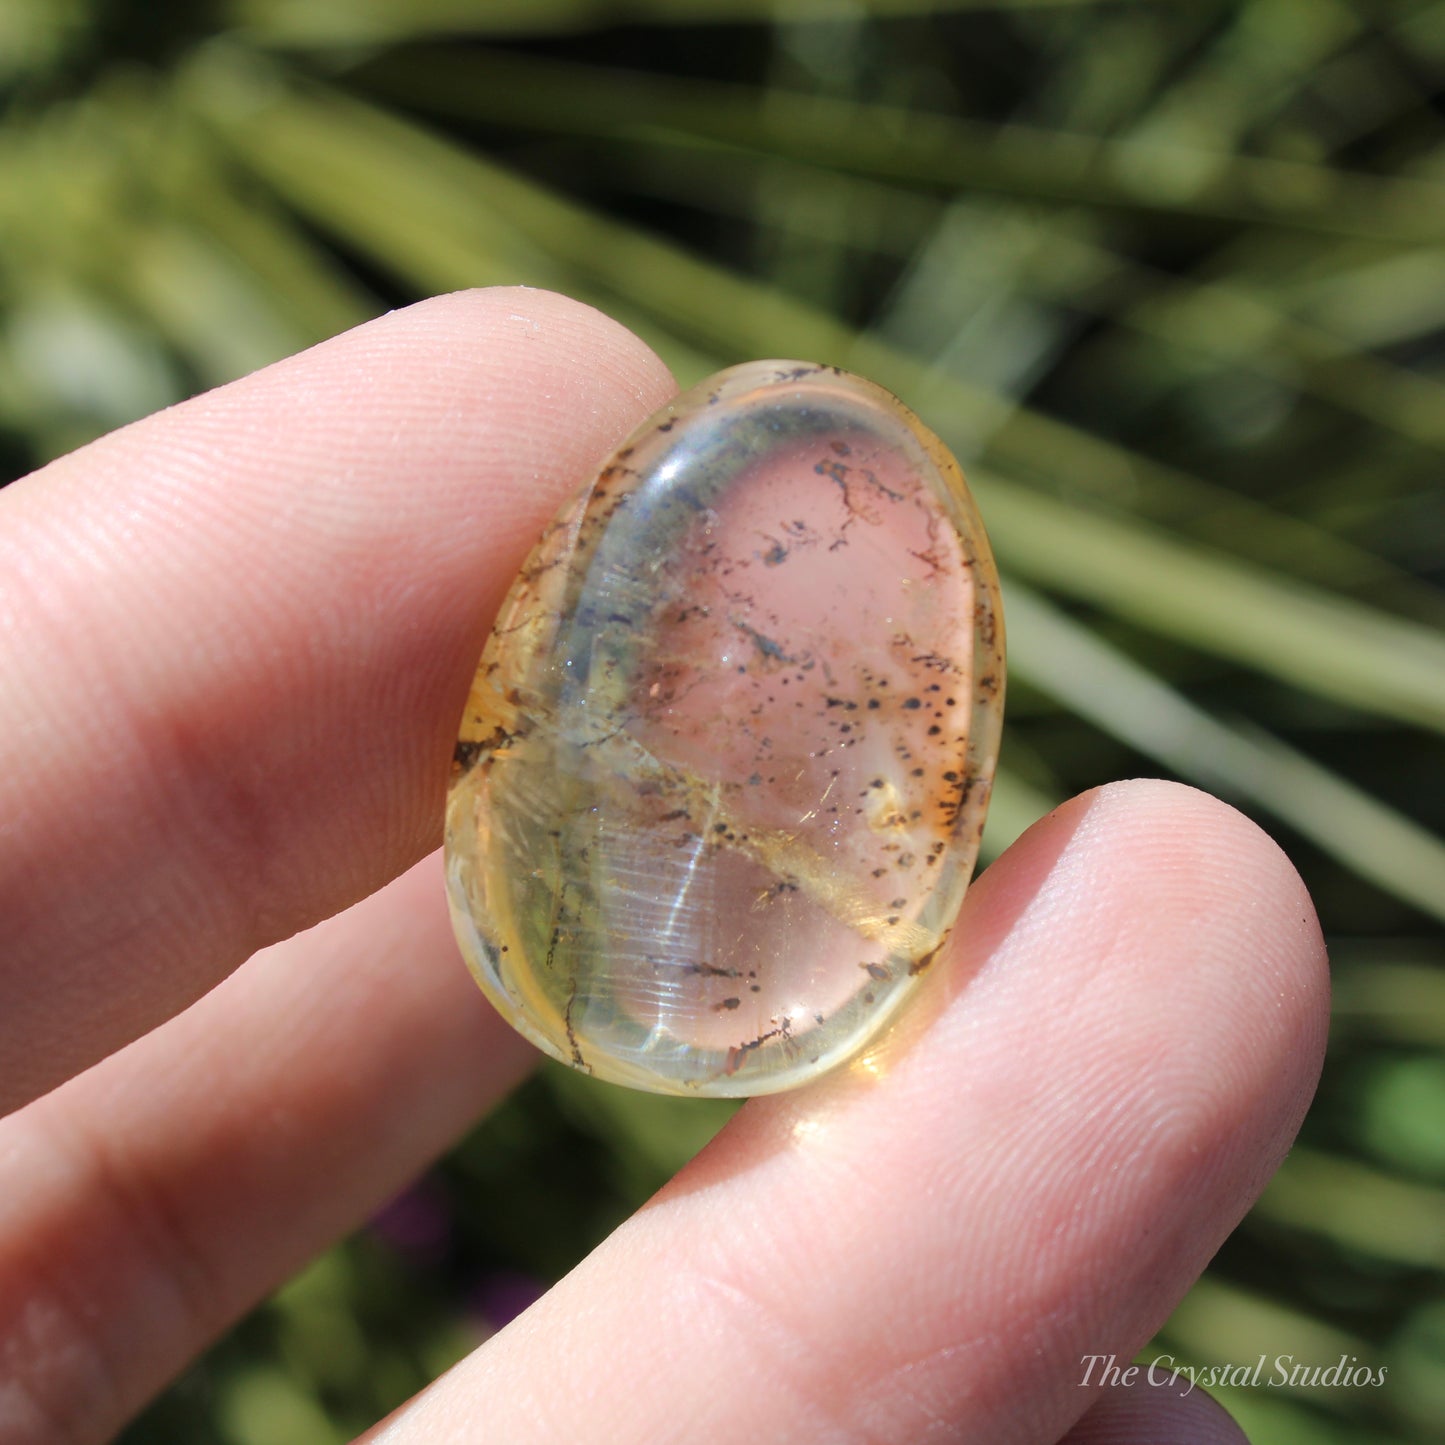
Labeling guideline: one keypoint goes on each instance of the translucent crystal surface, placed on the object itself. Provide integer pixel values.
(725, 761)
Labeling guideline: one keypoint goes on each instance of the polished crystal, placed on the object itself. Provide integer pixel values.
(724, 766)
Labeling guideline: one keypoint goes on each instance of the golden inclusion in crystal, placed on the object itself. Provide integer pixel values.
(724, 766)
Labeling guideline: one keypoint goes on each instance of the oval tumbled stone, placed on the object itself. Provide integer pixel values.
(724, 766)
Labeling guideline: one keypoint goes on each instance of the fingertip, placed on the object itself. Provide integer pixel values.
(1213, 870)
(1163, 859)
(1171, 1411)
(1169, 947)
(1114, 1056)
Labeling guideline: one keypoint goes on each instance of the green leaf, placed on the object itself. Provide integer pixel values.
(1060, 657)
(1322, 643)
(1358, 1208)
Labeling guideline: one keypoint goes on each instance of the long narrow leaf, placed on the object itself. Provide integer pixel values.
(1359, 1208)
(1059, 656)
(938, 151)
(1322, 643)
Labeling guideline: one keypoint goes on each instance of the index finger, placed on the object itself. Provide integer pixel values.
(237, 638)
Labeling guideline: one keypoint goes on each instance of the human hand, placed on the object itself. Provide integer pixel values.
(237, 639)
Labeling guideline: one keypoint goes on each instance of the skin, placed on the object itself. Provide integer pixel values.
(237, 639)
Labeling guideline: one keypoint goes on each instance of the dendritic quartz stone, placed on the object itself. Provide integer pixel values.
(725, 762)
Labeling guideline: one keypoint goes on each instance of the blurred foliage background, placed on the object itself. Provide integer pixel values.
(1170, 278)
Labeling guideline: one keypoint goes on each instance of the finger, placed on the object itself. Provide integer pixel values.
(237, 639)
(1125, 1041)
(147, 1203)
(1167, 1410)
